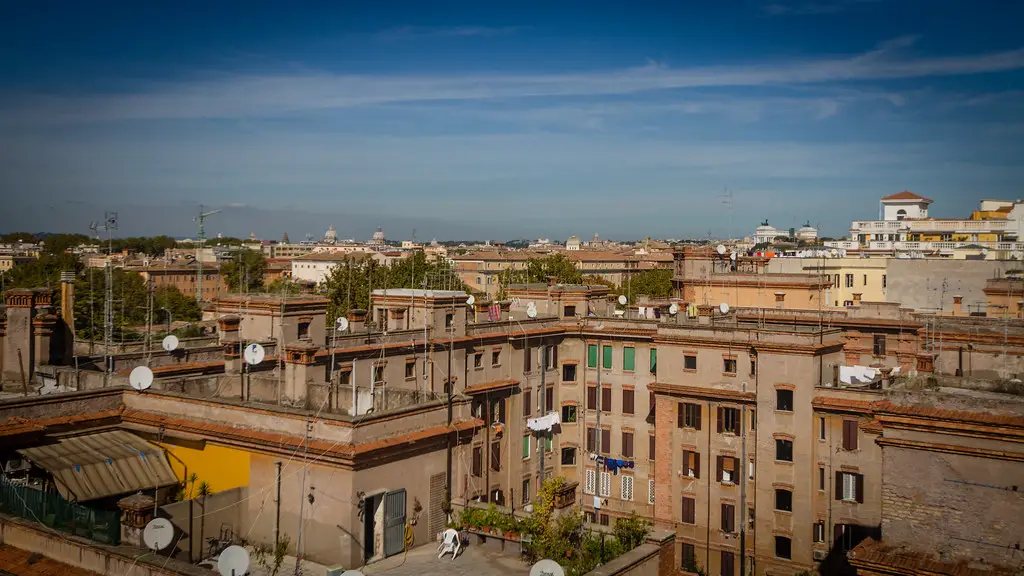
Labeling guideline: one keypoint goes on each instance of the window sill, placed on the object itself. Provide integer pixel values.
(729, 374)
(495, 365)
(478, 368)
(410, 378)
(790, 411)
(784, 462)
(787, 512)
(690, 370)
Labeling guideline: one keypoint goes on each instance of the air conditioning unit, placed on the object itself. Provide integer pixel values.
(819, 555)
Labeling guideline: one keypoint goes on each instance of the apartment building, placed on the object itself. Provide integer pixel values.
(184, 277)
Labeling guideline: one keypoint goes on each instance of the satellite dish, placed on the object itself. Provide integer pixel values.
(720, 249)
(471, 300)
(622, 300)
(351, 573)
(254, 354)
(673, 308)
(724, 307)
(732, 256)
(170, 342)
(547, 568)
(234, 561)
(341, 324)
(141, 378)
(531, 310)
(158, 534)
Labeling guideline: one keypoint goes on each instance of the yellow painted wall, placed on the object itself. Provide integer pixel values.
(988, 237)
(224, 468)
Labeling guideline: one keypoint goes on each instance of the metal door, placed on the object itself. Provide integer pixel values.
(394, 522)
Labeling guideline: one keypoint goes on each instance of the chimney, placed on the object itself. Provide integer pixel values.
(780, 299)
(958, 304)
(704, 313)
(357, 319)
(856, 298)
(67, 298)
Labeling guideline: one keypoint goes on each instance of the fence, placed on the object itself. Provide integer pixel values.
(58, 513)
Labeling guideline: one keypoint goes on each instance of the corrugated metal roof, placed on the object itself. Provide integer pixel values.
(104, 464)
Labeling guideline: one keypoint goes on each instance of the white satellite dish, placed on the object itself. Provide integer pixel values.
(720, 249)
(547, 568)
(351, 573)
(531, 310)
(724, 307)
(622, 299)
(234, 561)
(158, 534)
(673, 308)
(170, 342)
(341, 324)
(141, 378)
(471, 300)
(254, 354)
(732, 256)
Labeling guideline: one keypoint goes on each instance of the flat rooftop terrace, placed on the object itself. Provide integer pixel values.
(473, 560)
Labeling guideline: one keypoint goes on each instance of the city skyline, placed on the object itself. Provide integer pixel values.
(465, 122)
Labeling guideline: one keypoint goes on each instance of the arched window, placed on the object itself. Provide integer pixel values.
(901, 214)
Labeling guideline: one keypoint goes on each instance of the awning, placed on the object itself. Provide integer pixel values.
(103, 464)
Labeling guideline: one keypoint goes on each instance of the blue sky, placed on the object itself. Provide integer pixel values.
(504, 120)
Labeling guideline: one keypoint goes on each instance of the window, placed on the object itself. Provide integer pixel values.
(606, 398)
(784, 400)
(689, 510)
(650, 491)
(691, 464)
(750, 469)
(783, 547)
(568, 414)
(527, 402)
(526, 491)
(527, 359)
(589, 481)
(729, 365)
(547, 446)
(821, 428)
(550, 356)
(591, 397)
(478, 360)
(591, 440)
(689, 362)
(568, 456)
(449, 320)
(753, 366)
(845, 538)
(627, 444)
(728, 564)
(901, 214)
(883, 280)
(346, 377)
(627, 401)
(478, 460)
(627, 488)
(850, 487)
(728, 518)
(728, 469)
(849, 280)
(689, 416)
(783, 500)
(604, 520)
(750, 518)
(650, 447)
(526, 446)
(629, 359)
(496, 456)
(303, 330)
(821, 478)
(849, 434)
(569, 312)
(654, 360)
(606, 441)
(819, 531)
(568, 373)
(606, 484)
(592, 356)
(728, 421)
(783, 450)
(378, 375)
(549, 398)
(495, 357)
(606, 360)
(410, 369)
(879, 347)
(498, 410)
(689, 556)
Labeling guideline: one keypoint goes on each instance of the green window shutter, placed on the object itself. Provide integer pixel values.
(654, 360)
(607, 362)
(628, 358)
(526, 446)
(592, 356)
(548, 444)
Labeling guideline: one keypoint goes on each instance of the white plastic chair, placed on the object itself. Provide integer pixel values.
(450, 542)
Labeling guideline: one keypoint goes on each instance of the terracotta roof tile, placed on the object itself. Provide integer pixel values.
(906, 195)
(491, 386)
(17, 561)
(875, 557)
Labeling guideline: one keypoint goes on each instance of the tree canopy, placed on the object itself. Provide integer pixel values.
(558, 266)
(244, 272)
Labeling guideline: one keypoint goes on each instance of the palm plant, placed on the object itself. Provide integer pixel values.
(203, 491)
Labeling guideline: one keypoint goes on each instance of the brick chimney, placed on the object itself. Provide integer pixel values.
(958, 305)
(856, 298)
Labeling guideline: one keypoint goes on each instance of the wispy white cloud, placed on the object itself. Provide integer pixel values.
(811, 8)
(240, 96)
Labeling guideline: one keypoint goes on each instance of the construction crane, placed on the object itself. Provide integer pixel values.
(201, 219)
(108, 226)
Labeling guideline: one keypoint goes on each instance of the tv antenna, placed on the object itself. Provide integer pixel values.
(109, 225)
(201, 220)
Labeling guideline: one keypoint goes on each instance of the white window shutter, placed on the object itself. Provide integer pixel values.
(650, 491)
(606, 484)
(627, 488)
(589, 483)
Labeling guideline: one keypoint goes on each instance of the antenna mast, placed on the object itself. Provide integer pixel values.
(109, 225)
(201, 219)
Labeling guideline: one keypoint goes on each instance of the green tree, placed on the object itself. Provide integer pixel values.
(129, 304)
(181, 307)
(558, 266)
(655, 283)
(150, 245)
(60, 243)
(17, 237)
(41, 272)
(244, 272)
(282, 286)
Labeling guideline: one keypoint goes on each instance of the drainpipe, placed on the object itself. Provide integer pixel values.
(277, 518)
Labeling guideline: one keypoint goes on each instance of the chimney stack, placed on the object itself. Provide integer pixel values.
(958, 302)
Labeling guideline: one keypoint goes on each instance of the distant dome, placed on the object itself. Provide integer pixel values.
(331, 235)
(378, 236)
